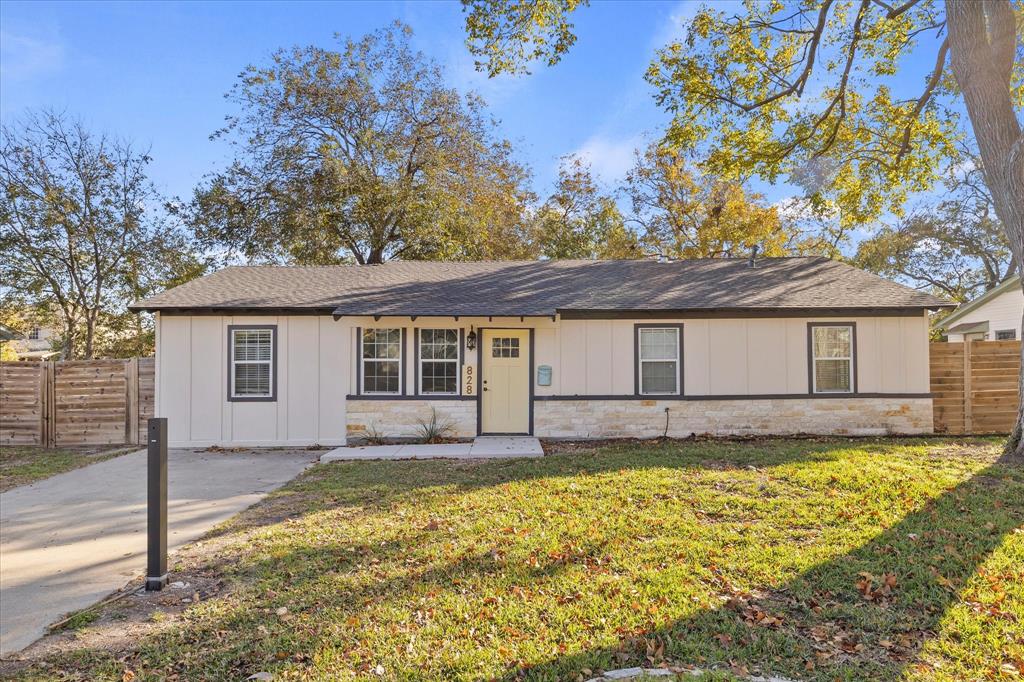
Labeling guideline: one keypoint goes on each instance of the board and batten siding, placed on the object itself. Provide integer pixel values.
(313, 357)
(754, 356)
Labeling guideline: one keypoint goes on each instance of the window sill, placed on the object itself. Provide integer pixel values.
(396, 396)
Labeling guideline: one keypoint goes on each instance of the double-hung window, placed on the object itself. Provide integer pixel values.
(658, 358)
(253, 356)
(382, 361)
(439, 361)
(832, 361)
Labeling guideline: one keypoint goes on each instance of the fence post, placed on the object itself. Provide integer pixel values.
(968, 403)
(131, 412)
(47, 405)
(156, 516)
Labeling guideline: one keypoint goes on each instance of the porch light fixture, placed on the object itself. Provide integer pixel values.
(471, 339)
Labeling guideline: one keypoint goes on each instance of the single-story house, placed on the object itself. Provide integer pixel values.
(559, 349)
(993, 316)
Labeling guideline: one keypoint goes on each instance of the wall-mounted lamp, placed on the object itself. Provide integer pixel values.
(471, 339)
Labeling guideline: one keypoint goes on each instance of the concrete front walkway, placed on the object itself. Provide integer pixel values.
(483, 447)
(68, 541)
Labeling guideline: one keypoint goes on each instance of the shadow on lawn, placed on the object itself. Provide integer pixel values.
(841, 619)
(380, 485)
(865, 614)
(845, 618)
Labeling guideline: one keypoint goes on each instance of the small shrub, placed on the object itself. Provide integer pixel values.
(374, 436)
(435, 430)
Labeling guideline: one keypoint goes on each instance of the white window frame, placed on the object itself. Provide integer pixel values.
(1011, 332)
(400, 360)
(420, 360)
(270, 396)
(34, 333)
(852, 357)
(678, 330)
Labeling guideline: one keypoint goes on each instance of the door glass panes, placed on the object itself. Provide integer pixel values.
(505, 347)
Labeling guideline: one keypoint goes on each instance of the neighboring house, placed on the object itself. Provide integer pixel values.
(993, 316)
(560, 349)
(8, 334)
(35, 344)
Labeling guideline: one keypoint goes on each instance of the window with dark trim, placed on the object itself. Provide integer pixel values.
(658, 360)
(382, 361)
(832, 358)
(438, 361)
(252, 362)
(1006, 335)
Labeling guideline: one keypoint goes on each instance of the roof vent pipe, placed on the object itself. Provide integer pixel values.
(753, 257)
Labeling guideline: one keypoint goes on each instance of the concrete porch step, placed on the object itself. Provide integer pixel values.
(482, 447)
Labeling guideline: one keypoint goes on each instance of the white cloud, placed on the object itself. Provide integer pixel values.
(610, 158)
(23, 57)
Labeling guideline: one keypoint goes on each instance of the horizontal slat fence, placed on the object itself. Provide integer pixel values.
(80, 402)
(974, 386)
(21, 403)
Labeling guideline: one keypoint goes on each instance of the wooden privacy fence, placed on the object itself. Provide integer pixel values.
(81, 402)
(974, 386)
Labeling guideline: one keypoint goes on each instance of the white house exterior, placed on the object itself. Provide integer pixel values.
(994, 316)
(36, 344)
(596, 349)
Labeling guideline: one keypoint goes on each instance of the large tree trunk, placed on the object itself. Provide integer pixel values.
(90, 335)
(983, 41)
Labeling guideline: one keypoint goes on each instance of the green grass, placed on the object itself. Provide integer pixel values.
(24, 464)
(818, 560)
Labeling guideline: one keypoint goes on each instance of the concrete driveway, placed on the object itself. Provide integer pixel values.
(70, 540)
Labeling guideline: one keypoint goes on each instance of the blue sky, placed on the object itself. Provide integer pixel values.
(157, 73)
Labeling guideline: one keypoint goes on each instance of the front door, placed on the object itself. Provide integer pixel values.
(505, 381)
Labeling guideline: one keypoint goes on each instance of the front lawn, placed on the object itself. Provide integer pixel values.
(24, 464)
(813, 559)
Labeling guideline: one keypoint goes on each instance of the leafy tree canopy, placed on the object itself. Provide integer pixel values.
(362, 153)
(954, 247)
(82, 232)
(682, 213)
(505, 37)
(579, 221)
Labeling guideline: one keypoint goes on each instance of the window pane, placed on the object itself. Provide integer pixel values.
(439, 344)
(253, 344)
(439, 377)
(252, 379)
(832, 376)
(382, 343)
(658, 377)
(659, 344)
(439, 353)
(381, 376)
(833, 342)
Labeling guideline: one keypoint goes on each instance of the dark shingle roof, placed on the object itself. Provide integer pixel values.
(534, 288)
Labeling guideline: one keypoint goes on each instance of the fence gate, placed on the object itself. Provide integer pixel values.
(974, 386)
(81, 402)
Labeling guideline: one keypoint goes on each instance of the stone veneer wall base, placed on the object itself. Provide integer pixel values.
(647, 418)
(583, 419)
(401, 419)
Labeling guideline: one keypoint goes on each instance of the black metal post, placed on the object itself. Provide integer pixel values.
(156, 564)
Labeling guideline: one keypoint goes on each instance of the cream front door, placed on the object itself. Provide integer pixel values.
(505, 381)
